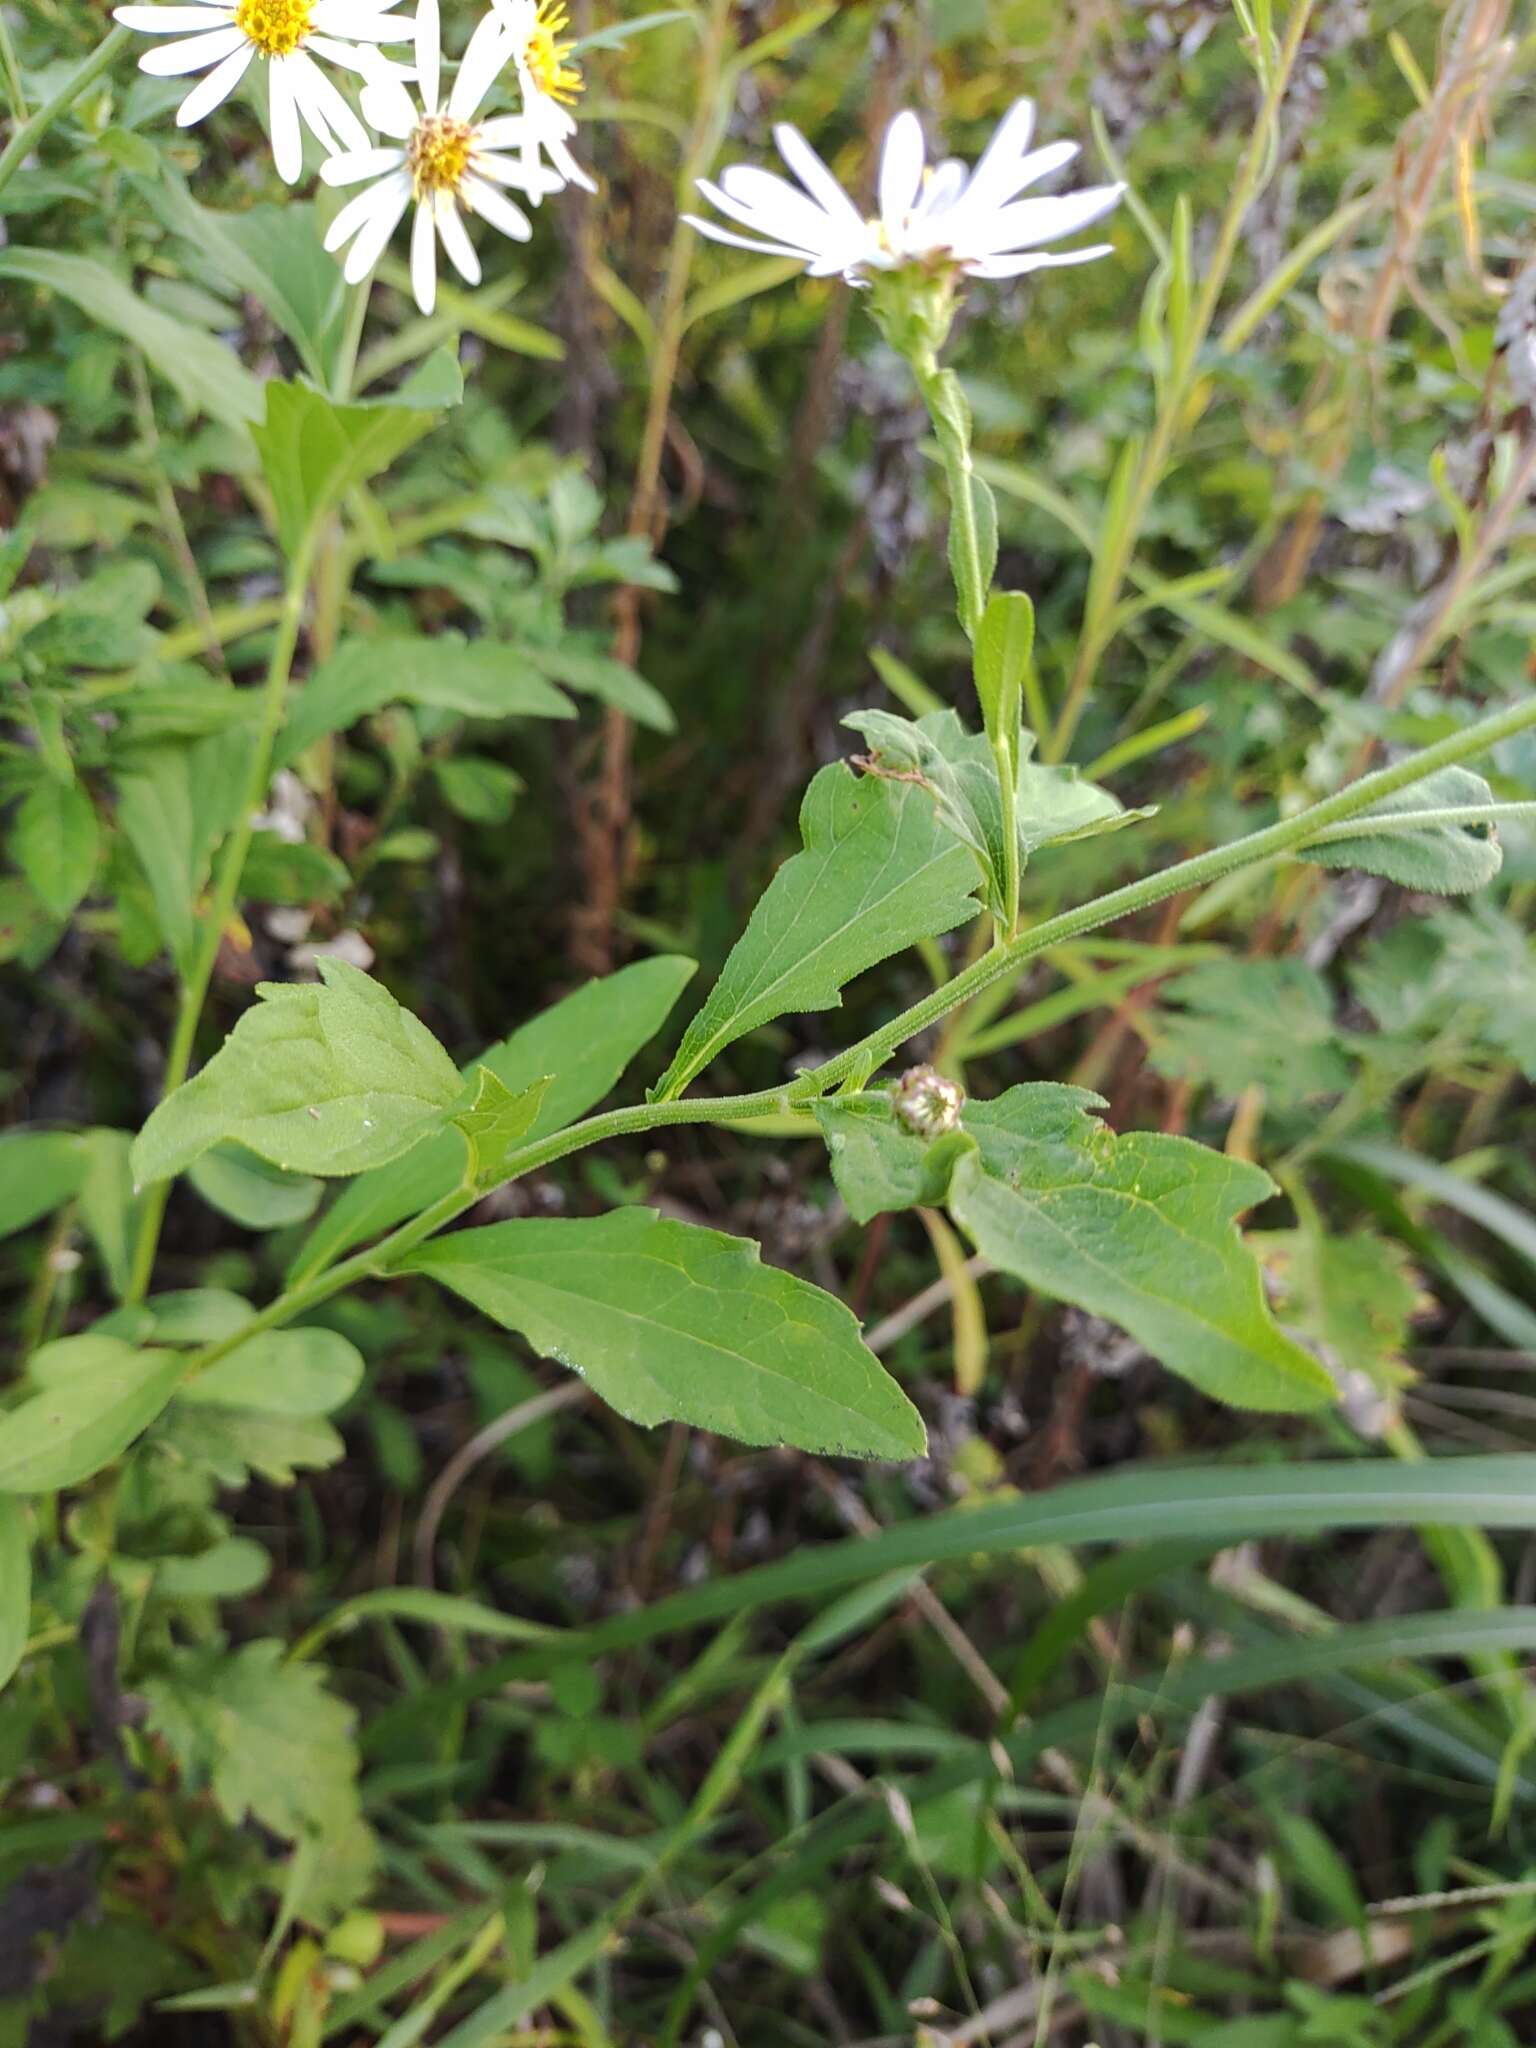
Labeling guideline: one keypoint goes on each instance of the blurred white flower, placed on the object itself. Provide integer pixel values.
(288, 34)
(547, 81)
(933, 217)
(444, 158)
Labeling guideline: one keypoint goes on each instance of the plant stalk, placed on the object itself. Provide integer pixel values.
(31, 132)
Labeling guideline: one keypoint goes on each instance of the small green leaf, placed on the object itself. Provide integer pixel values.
(55, 840)
(314, 451)
(1138, 1229)
(593, 673)
(233, 1443)
(1005, 645)
(39, 1172)
(956, 771)
(496, 1123)
(475, 678)
(1445, 859)
(175, 803)
(878, 872)
(15, 1585)
(303, 1373)
(251, 1191)
(327, 1080)
(585, 1041)
(97, 1394)
(671, 1322)
(279, 870)
(1236, 1023)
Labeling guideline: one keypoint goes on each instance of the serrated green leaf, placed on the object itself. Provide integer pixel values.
(596, 674)
(15, 1585)
(475, 678)
(497, 1121)
(207, 374)
(585, 1041)
(1139, 1228)
(671, 1322)
(1445, 859)
(1237, 1023)
(314, 451)
(878, 872)
(302, 1373)
(233, 1443)
(327, 1080)
(957, 772)
(55, 840)
(96, 1395)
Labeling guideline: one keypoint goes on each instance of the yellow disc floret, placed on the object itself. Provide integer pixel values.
(547, 49)
(438, 154)
(276, 27)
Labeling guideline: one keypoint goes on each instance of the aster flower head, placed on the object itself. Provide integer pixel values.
(941, 218)
(440, 157)
(223, 38)
(548, 81)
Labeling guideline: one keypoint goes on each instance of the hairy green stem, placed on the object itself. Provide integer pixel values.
(31, 132)
(194, 991)
(1290, 835)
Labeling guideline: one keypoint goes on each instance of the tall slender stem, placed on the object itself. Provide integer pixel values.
(226, 888)
(31, 132)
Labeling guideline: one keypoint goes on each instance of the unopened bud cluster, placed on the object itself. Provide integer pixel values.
(926, 1103)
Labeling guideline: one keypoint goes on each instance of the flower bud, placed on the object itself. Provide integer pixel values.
(928, 1104)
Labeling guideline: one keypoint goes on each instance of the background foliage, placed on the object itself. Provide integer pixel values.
(405, 1693)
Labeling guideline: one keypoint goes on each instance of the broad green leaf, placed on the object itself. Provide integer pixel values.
(1139, 1229)
(669, 1322)
(476, 679)
(55, 841)
(314, 451)
(497, 1122)
(233, 1443)
(585, 1041)
(1236, 1023)
(39, 1172)
(226, 1570)
(1005, 644)
(264, 1734)
(1448, 859)
(189, 1316)
(96, 1395)
(206, 374)
(878, 872)
(273, 252)
(15, 1585)
(328, 1080)
(279, 870)
(1354, 1293)
(596, 674)
(251, 1191)
(955, 770)
(303, 1373)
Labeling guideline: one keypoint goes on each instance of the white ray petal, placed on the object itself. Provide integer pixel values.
(1020, 266)
(352, 166)
(495, 207)
(429, 52)
(504, 131)
(357, 212)
(760, 199)
(455, 238)
(193, 53)
(360, 24)
(391, 197)
(814, 176)
(323, 107)
(424, 259)
(1028, 222)
(212, 91)
(901, 167)
(511, 170)
(282, 101)
(990, 181)
(387, 105)
(483, 61)
(716, 233)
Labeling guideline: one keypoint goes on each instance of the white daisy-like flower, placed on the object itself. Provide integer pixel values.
(548, 81)
(224, 37)
(935, 217)
(443, 158)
